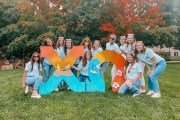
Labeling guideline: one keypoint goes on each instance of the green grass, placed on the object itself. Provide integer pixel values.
(14, 104)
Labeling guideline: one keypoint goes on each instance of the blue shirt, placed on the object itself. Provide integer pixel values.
(83, 70)
(60, 52)
(148, 55)
(35, 71)
(133, 73)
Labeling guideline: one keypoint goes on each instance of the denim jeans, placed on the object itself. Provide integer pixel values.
(82, 78)
(134, 88)
(47, 68)
(142, 67)
(74, 71)
(103, 68)
(36, 81)
(153, 84)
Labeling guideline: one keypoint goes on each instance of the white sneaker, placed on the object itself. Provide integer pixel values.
(27, 90)
(68, 88)
(136, 94)
(35, 96)
(156, 95)
(150, 93)
(142, 91)
(57, 89)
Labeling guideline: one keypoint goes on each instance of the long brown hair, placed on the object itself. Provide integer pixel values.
(45, 42)
(84, 61)
(121, 38)
(32, 60)
(127, 63)
(99, 44)
(86, 40)
(65, 47)
(57, 44)
(142, 51)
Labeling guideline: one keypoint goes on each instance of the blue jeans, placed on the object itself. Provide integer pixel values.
(134, 88)
(47, 68)
(74, 71)
(82, 78)
(153, 84)
(103, 68)
(36, 81)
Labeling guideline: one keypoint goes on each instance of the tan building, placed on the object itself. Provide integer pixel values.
(170, 51)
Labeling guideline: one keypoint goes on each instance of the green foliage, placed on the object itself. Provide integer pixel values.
(163, 54)
(78, 19)
(18, 47)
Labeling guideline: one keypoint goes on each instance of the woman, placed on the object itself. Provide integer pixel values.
(47, 66)
(122, 44)
(130, 44)
(155, 65)
(68, 46)
(60, 50)
(130, 48)
(83, 66)
(32, 75)
(87, 44)
(133, 74)
(96, 47)
(60, 47)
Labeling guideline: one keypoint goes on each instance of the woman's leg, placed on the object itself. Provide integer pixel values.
(74, 71)
(81, 78)
(103, 68)
(46, 68)
(113, 72)
(134, 88)
(52, 69)
(36, 81)
(142, 85)
(160, 67)
(123, 89)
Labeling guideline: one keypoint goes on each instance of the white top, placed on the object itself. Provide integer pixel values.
(129, 49)
(99, 49)
(135, 69)
(35, 71)
(123, 47)
(113, 47)
(83, 70)
(60, 52)
(148, 55)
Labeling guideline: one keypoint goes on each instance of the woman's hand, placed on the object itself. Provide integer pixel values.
(23, 85)
(149, 72)
(128, 83)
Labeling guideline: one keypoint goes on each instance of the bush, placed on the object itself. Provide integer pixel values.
(164, 55)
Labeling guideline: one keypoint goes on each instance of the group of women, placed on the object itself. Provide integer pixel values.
(135, 53)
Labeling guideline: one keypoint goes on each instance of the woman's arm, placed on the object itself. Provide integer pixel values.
(153, 63)
(137, 78)
(76, 68)
(24, 78)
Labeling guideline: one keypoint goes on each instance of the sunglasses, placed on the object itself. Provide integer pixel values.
(111, 38)
(35, 56)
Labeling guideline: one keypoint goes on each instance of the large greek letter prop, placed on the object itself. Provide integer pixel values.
(62, 69)
(108, 56)
(95, 81)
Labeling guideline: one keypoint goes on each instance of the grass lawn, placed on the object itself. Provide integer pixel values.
(14, 104)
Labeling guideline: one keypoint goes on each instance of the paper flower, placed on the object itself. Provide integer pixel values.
(115, 85)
